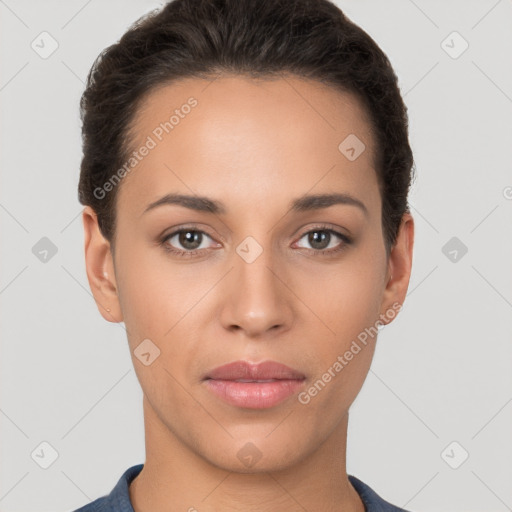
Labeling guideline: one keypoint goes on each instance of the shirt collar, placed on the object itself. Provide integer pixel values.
(119, 498)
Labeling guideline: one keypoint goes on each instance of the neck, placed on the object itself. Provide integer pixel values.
(175, 477)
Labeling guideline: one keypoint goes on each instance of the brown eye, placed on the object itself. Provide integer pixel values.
(186, 242)
(319, 239)
(323, 241)
(190, 239)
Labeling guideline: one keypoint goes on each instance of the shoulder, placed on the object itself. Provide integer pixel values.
(118, 499)
(372, 501)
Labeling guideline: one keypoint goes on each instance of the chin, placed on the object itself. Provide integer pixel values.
(257, 456)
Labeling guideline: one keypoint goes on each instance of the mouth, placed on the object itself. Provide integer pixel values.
(254, 386)
(245, 371)
(250, 380)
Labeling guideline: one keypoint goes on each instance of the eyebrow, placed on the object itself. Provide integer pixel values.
(301, 204)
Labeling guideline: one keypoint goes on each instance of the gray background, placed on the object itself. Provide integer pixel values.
(442, 369)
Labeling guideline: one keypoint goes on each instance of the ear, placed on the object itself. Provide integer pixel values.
(100, 268)
(399, 270)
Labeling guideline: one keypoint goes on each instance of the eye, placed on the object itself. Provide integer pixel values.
(323, 240)
(188, 242)
(191, 240)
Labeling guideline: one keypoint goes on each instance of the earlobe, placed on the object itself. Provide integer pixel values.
(100, 268)
(399, 269)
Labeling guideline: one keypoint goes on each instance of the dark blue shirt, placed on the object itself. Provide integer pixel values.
(119, 499)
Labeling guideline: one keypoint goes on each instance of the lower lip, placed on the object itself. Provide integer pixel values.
(254, 395)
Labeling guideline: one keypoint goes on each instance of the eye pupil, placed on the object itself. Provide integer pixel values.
(314, 239)
(189, 237)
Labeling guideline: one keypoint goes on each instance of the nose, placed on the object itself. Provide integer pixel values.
(256, 299)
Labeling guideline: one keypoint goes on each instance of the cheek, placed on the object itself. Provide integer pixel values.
(147, 296)
(343, 348)
(346, 298)
(144, 273)
(162, 302)
(345, 304)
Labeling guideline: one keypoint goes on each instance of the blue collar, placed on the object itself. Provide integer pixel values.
(119, 498)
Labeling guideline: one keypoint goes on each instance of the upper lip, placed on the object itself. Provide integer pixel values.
(254, 371)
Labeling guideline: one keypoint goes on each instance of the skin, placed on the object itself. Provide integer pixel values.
(255, 146)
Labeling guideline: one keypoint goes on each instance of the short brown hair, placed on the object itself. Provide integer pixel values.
(260, 38)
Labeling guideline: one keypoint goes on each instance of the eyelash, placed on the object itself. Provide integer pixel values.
(317, 252)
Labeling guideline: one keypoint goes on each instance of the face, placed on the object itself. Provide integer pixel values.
(255, 275)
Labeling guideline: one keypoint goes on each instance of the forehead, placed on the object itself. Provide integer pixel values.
(259, 104)
(251, 138)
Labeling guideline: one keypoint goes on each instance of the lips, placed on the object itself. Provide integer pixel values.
(243, 371)
(254, 386)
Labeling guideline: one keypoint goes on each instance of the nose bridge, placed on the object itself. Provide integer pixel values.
(257, 300)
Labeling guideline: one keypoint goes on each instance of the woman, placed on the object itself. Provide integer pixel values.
(245, 177)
